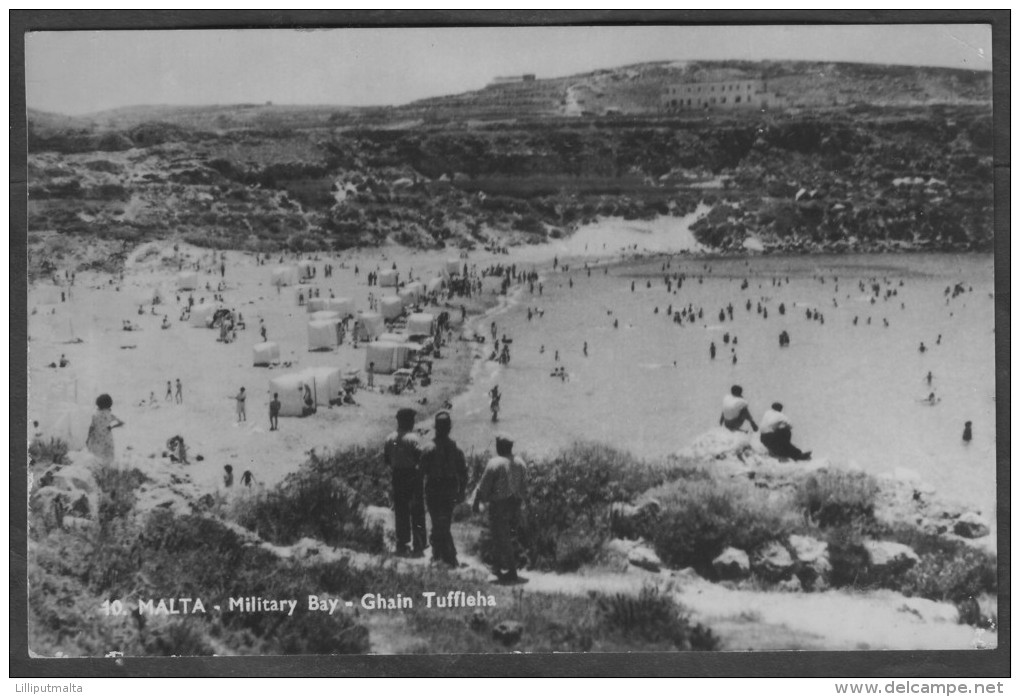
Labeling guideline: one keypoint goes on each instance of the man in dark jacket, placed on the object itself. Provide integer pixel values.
(402, 453)
(445, 472)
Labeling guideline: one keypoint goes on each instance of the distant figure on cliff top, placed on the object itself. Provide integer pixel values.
(735, 411)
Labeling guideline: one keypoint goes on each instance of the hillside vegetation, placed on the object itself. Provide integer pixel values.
(875, 157)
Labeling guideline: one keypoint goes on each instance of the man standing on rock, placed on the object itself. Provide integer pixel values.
(445, 472)
(503, 488)
(402, 453)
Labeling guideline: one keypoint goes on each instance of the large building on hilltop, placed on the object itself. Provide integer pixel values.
(726, 94)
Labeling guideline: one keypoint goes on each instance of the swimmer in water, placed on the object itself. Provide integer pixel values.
(967, 434)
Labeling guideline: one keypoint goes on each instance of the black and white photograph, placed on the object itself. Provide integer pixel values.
(540, 339)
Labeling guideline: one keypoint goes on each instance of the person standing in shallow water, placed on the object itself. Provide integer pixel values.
(967, 433)
(100, 437)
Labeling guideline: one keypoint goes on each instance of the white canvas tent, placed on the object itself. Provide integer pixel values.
(187, 280)
(325, 382)
(434, 285)
(284, 276)
(388, 278)
(387, 356)
(324, 315)
(305, 269)
(391, 307)
(315, 304)
(344, 306)
(453, 267)
(322, 335)
(290, 389)
(417, 287)
(47, 294)
(67, 421)
(370, 326)
(420, 323)
(266, 353)
(392, 338)
(408, 297)
(202, 315)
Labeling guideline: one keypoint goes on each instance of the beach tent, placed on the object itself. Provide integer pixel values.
(67, 421)
(59, 327)
(420, 323)
(315, 304)
(434, 285)
(266, 353)
(325, 381)
(291, 391)
(202, 315)
(392, 338)
(343, 306)
(391, 307)
(323, 315)
(322, 335)
(305, 269)
(418, 287)
(388, 278)
(453, 267)
(370, 326)
(284, 276)
(387, 356)
(47, 294)
(408, 297)
(187, 280)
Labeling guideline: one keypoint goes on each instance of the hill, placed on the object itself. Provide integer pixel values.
(864, 157)
(637, 89)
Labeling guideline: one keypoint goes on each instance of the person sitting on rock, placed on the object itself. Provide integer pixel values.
(776, 432)
(735, 411)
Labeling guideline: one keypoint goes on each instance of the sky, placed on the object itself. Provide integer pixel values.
(84, 72)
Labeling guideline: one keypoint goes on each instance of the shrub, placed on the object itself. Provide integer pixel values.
(566, 520)
(949, 570)
(53, 450)
(655, 617)
(117, 489)
(323, 500)
(837, 497)
(699, 519)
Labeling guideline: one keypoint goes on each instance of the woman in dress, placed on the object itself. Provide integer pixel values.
(100, 438)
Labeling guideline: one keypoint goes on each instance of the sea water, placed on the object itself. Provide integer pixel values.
(854, 393)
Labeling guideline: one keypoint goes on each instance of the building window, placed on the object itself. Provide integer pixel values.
(723, 100)
(737, 100)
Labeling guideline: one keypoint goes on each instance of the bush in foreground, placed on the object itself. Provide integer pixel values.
(699, 519)
(566, 521)
(322, 500)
